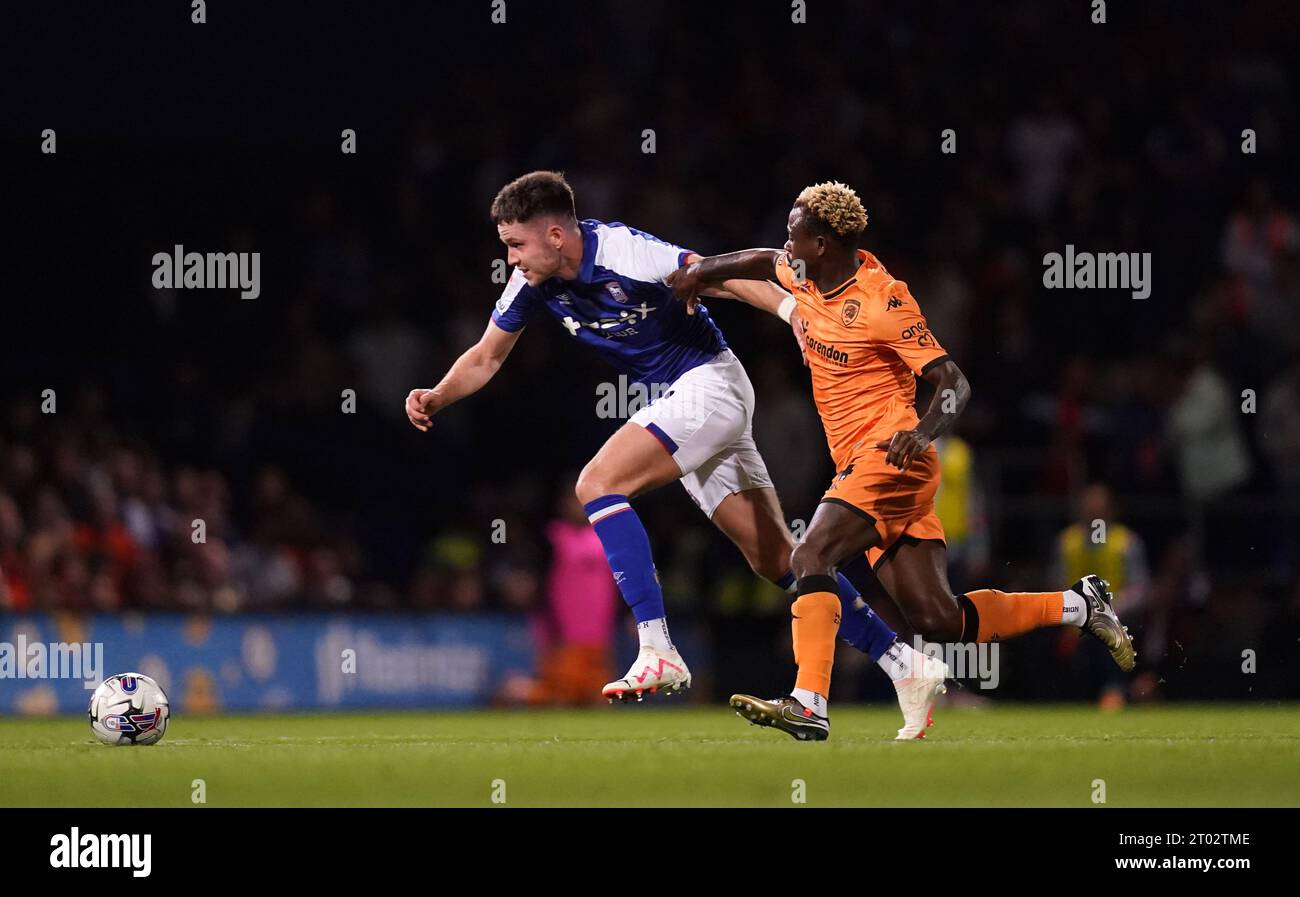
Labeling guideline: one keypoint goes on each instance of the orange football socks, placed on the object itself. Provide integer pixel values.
(992, 616)
(816, 620)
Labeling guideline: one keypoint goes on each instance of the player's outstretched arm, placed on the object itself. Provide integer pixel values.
(470, 373)
(762, 294)
(712, 271)
(767, 296)
(711, 292)
(740, 275)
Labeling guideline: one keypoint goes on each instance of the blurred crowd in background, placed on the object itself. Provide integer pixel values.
(201, 455)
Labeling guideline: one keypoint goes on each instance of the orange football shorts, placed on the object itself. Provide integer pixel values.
(897, 502)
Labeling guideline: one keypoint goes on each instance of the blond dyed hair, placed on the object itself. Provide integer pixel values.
(837, 206)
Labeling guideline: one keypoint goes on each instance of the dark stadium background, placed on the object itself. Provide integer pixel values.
(1124, 136)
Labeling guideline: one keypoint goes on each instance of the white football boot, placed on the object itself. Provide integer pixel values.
(916, 696)
(652, 671)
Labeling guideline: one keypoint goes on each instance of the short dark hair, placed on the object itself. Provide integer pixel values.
(535, 194)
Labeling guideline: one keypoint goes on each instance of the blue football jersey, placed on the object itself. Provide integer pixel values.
(620, 306)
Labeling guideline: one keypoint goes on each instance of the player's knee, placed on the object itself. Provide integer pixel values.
(590, 485)
(937, 622)
(809, 559)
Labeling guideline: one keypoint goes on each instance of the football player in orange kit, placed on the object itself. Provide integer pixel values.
(865, 340)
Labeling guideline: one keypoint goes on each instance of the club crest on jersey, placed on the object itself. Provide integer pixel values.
(849, 312)
(617, 292)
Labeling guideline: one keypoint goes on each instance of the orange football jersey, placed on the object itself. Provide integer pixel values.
(864, 341)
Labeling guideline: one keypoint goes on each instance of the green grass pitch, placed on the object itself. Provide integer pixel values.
(1224, 755)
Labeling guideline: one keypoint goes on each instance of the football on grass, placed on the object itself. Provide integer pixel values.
(129, 709)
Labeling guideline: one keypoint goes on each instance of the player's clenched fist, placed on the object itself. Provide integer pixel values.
(904, 448)
(419, 408)
(685, 283)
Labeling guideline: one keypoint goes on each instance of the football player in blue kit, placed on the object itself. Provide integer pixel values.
(604, 284)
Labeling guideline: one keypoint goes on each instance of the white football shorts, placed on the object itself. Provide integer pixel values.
(705, 421)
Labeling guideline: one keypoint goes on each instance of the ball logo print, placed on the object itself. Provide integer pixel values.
(129, 709)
